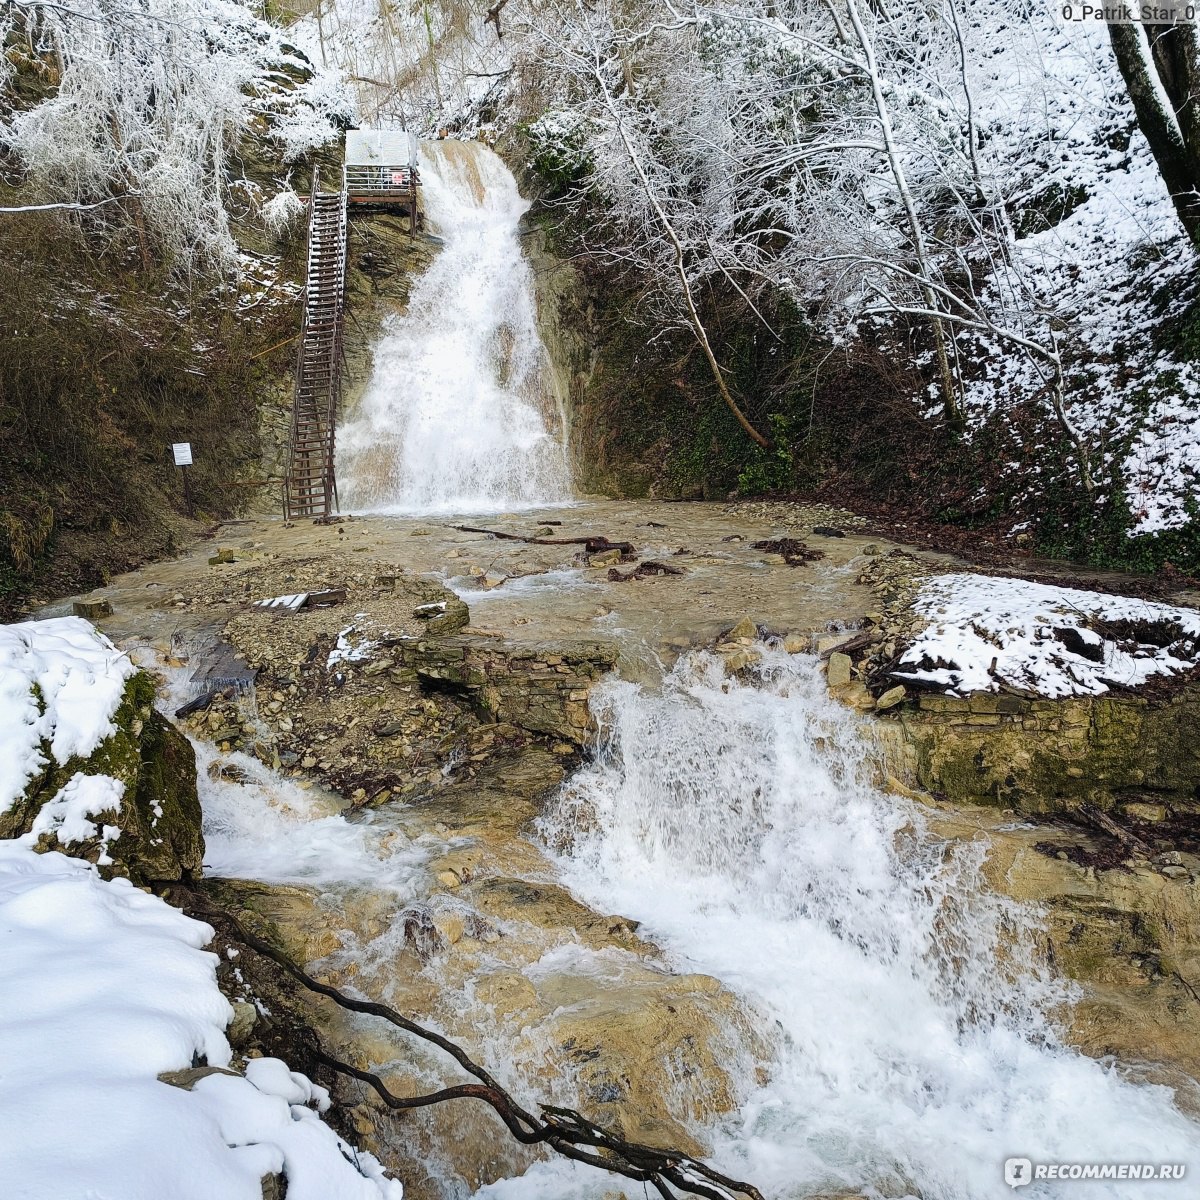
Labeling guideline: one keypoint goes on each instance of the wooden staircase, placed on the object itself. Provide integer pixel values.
(310, 489)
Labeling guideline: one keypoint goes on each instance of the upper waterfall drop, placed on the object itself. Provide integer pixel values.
(460, 413)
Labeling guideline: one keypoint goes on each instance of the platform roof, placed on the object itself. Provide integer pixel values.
(380, 147)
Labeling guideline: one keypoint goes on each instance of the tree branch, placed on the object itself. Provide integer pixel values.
(561, 1129)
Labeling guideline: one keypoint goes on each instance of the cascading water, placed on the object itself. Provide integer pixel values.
(913, 1053)
(460, 414)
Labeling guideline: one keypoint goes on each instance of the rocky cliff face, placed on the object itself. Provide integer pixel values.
(1052, 756)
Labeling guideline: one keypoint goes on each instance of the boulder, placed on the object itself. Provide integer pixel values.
(838, 672)
(152, 833)
(92, 608)
(745, 628)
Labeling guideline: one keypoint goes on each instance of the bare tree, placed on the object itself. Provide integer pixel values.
(602, 59)
(818, 150)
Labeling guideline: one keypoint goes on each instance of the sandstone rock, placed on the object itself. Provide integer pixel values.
(890, 698)
(855, 695)
(797, 643)
(608, 558)
(745, 628)
(245, 1017)
(451, 926)
(837, 673)
(738, 658)
(508, 993)
(1145, 813)
(187, 1078)
(831, 641)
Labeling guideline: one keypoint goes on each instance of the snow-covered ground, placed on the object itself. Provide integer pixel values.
(104, 987)
(986, 632)
(1060, 131)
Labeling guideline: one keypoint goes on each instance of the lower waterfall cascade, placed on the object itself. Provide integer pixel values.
(914, 1046)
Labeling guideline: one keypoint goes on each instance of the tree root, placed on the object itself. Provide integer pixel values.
(563, 1130)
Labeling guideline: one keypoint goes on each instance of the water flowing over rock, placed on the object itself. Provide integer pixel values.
(722, 934)
(735, 820)
(460, 414)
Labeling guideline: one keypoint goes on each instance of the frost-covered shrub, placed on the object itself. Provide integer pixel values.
(282, 211)
(312, 114)
(559, 148)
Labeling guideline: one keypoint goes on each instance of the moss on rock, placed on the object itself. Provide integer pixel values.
(1051, 756)
(158, 819)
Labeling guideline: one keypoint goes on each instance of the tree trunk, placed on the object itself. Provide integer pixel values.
(680, 264)
(950, 408)
(1175, 53)
(1159, 124)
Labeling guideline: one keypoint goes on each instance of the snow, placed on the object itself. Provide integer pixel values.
(61, 682)
(986, 632)
(345, 651)
(104, 987)
(68, 814)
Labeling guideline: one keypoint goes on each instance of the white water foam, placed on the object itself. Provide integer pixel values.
(914, 1053)
(460, 414)
(259, 825)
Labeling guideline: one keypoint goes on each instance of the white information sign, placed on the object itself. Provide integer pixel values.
(183, 453)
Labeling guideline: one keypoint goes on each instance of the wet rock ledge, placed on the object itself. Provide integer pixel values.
(1133, 751)
(382, 692)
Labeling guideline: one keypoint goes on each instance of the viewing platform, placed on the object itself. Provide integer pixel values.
(382, 169)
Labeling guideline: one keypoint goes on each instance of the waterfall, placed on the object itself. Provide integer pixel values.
(460, 415)
(913, 1050)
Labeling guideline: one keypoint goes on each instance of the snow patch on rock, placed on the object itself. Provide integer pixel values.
(69, 814)
(61, 682)
(989, 632)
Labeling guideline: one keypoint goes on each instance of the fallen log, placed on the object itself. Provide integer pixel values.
(1100, 820)
(795, 552)
(202, 702)
(643, 570)
(593, 545)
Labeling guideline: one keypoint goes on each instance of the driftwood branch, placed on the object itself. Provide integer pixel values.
(1132, 843)
(593, 545)
(563, 1130)
(643, 571)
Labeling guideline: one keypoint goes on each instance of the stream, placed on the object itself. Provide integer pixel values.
(891, 1028)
